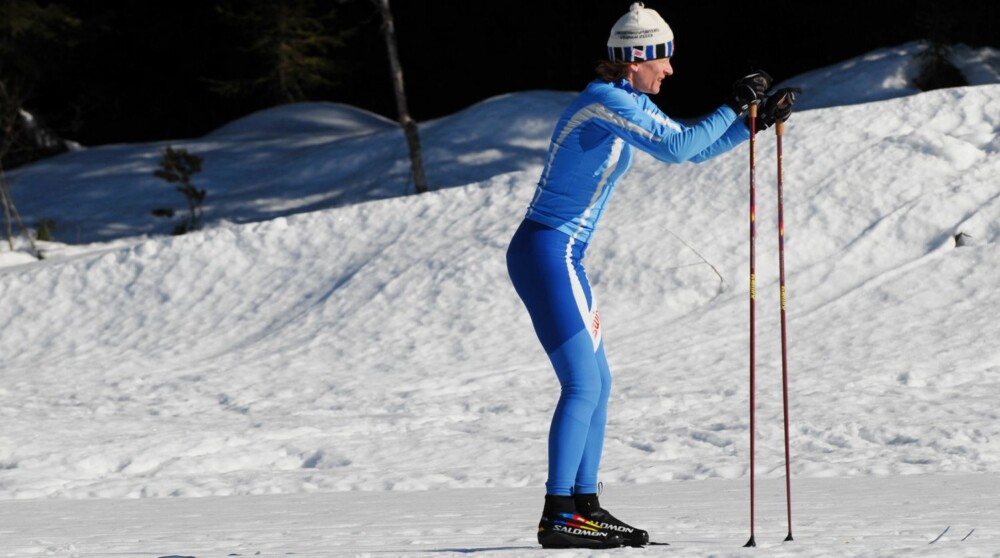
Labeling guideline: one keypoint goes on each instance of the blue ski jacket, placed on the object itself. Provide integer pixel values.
(591, 149)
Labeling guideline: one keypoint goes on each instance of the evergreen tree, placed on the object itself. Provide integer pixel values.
(178, 166)
(26, 29)
(289, 45)
(28, 33)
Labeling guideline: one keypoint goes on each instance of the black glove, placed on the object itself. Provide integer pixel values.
(748, 89)
(776, 107)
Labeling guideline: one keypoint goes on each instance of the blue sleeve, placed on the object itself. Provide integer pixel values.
(737, 133)
(643, 125)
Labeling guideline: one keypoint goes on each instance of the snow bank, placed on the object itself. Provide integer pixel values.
(379, 346)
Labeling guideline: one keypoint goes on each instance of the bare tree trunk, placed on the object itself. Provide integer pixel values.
(11, 104)
(9, 111)
(10, 214)
(408, 124)
(8, 230)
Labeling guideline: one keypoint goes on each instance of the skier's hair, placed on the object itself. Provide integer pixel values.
(612, 71)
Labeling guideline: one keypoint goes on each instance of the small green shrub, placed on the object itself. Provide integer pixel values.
(44, 230)
(177, 166)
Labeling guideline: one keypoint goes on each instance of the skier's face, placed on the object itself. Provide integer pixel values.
(646, 76)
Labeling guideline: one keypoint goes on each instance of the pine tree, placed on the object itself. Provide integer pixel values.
(177, 166)
(289, 44)
(25, 27)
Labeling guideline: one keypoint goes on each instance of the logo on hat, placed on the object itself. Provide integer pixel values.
(641, 34)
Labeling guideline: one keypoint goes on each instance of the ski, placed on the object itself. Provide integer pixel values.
(936, 539)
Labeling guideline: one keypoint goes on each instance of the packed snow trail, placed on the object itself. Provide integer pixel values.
(837, 518)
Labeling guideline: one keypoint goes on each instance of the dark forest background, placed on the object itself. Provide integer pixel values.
(141, 70)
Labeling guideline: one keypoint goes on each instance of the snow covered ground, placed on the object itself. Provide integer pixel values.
(332, 368)
(864, 516)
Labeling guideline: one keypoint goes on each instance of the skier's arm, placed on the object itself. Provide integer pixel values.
(737, 133)
(661, 137)
(777, 106)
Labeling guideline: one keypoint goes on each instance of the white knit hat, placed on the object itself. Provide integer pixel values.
(641, 34)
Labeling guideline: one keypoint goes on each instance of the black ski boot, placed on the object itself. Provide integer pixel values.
(589, 507)
(562, 527)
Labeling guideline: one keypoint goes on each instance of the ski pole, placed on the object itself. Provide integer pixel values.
(753, 289)
(780, 132)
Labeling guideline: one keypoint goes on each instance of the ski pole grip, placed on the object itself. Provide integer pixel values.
(753, 109)
(779, 127)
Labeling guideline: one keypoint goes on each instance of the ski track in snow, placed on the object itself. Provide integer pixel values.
(362, 380)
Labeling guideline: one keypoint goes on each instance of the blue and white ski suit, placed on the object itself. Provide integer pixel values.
(591, 149)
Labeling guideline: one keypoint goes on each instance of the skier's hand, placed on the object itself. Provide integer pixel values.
(777, 107)
(747, 90)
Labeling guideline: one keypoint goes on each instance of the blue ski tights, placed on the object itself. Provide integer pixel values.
(546, 268)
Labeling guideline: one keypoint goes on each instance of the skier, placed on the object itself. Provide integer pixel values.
(591, 149)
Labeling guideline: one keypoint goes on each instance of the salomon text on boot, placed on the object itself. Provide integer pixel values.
(562, 527)
(588, 506)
